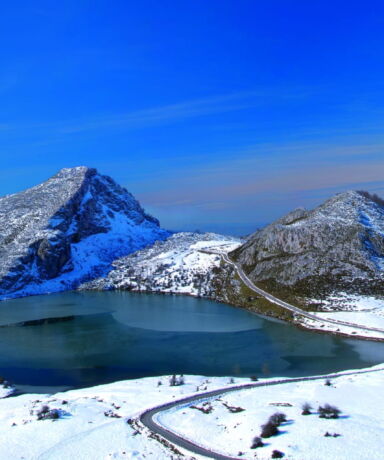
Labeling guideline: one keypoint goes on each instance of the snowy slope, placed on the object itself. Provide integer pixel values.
(185, 263)
(358, 430)
(67, 230)
(93, 421)
(93, 424)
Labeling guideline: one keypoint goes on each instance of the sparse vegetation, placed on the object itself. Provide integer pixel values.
(328, 411)
(233, 409)
(333, 435)
(45, 413)
(306, 409)
(271, 427)
(268, 430)
(205, 408)
(175, 381)
(257, 442)
(110, 413)
(278, 418)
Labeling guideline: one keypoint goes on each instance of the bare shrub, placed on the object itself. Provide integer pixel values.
(45, 413)
(175, 381)
(268, 430)
(328, 411)
(277, 454)
(306, 409)
(278, 418)
(257, 442)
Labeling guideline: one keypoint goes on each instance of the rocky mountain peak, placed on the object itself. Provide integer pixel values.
(342, 238)
(67, 229)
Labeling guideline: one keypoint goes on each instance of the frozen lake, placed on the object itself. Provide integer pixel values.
(77, 339)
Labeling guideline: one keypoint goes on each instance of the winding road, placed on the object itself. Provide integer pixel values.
(288, 306)
(147, 417)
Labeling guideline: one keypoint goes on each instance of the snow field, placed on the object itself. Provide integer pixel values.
(84, 431)
(360, 425)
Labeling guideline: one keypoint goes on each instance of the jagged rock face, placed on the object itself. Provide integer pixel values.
(68, 229)
(343, 237)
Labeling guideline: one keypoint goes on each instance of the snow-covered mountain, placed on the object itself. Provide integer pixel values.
(339, 243)
(68, 230)
(185, 263)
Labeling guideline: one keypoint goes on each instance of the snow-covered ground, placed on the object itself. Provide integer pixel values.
(367, 311)
(92, 422)
(350, 302)
(182, 264)
(358, 319)
(359, 428)
(6, 390)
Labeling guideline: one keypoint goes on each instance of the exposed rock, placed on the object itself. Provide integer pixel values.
(341, 239)
(68, 230)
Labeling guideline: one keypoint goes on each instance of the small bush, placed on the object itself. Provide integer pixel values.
(328, 411)
(175, 381)
(254, 378)
(45, 413)
(277, 454)
(268, 429)
(257, 442)
(306, 409)
(278, 418)
(328, 383)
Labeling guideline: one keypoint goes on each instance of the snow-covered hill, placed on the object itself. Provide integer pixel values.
(68, 230)
(185, 263)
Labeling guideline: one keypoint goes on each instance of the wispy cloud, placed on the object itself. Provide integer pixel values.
(167, 114)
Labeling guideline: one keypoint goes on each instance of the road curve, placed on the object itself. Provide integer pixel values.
(288, 306)
(146, 417)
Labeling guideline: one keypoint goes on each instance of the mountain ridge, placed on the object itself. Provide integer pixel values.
(71, 226)
(341, 238)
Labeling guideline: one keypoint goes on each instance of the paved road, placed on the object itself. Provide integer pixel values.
(288, 306)
(147, 416)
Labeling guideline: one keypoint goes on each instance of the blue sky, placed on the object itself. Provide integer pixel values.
(217, 115)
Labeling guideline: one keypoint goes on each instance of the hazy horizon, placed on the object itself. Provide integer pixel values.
(218, 116)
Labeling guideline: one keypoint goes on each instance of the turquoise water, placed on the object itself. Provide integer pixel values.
(108, 336)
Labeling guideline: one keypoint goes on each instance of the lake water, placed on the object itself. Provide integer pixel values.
(109, 336)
